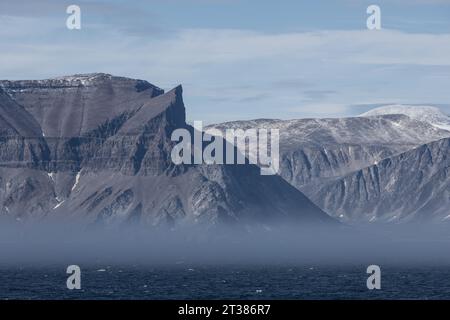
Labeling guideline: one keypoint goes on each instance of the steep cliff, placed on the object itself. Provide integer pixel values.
(108, 162)
(414, 185)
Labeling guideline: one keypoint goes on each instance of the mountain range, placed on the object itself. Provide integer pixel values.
(96, 148)
(346, 165)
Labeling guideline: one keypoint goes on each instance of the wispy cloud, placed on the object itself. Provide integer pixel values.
(251, 73)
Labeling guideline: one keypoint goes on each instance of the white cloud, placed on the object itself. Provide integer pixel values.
(351, 64)
(189, 49)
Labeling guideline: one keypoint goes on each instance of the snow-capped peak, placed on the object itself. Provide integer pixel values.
(429, 114)
(83, 77)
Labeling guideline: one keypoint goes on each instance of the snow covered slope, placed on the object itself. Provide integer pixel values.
(315, 149)
(432, 115)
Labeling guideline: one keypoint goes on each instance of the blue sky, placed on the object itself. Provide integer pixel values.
(243, 59)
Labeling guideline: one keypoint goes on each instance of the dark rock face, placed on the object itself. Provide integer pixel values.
(25, 193)
(21, 140)
(97, 148)
(314, 150)
(75, 106)
(337, 164)
(414, 185)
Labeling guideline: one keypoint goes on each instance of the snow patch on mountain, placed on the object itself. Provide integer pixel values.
(77, 180)
(429, 114)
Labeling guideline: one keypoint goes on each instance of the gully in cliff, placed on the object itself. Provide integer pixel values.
(208, 147)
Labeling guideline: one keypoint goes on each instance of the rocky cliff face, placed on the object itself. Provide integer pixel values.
(414, 185)
(97, 148)
(315, 150)
(338, 163)
(21, 140)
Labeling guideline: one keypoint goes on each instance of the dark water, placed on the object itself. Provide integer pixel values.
(213, 282)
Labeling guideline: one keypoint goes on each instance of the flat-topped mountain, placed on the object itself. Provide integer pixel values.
(75, 105)
(104, 158)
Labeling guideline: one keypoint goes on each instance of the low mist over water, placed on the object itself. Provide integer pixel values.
(49, 244)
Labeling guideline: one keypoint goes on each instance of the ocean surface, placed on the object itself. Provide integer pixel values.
(224, 282)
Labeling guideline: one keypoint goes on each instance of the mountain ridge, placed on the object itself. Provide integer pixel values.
(313, 149)
(414, 185)
(109, 163)
(317, 156)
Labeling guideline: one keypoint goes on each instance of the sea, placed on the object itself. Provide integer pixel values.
(193, 282)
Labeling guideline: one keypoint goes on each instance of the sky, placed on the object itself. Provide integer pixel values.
(243, 59)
